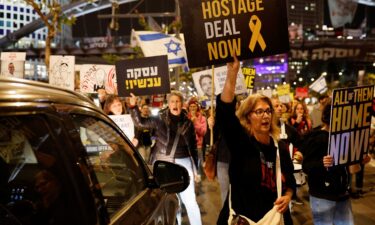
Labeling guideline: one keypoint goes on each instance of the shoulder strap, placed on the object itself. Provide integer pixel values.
(278, 169)
(175, 142)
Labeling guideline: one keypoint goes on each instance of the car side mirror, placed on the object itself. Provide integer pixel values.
(171, 177)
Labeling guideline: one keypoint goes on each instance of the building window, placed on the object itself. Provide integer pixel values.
(1, 32)
(1, 23)
(21, 9)
(8, 15)
(8, 7)
(21, 17)
(9, 24)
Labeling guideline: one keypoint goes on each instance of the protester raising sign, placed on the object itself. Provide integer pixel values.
(144, 76)
(217, 30)
(350, 124)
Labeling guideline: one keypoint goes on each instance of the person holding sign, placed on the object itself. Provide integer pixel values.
(175, 142)
(328, 185)
(252, 137)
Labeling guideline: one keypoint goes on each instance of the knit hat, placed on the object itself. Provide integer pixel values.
(194, 100)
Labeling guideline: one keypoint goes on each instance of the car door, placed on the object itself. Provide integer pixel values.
(129, 192)
(40, 182)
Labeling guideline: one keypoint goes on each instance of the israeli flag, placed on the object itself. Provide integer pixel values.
(155, 43)
(320, 85)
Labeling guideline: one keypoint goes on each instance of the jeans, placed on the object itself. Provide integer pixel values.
(145, 152)
(223, 179)
(326, 212)
(188, 197)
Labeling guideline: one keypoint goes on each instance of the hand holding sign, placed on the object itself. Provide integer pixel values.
(327, 161)
(133, 100)
(233, 67)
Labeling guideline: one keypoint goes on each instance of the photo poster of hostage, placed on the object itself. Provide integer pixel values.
(144, 76)
(203, 82)
(61, 71)
(350, 124)
(216, 30)
(13, 64)
(95, 76)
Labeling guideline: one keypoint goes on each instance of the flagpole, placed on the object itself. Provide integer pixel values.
(212, 104)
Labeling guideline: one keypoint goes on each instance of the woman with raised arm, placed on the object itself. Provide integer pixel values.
(252, 138)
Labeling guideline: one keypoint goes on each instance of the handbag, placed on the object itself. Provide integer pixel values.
(272, 217)
(170, 156)
(210, 163)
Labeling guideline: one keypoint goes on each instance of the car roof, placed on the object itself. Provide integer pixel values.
(21, 90)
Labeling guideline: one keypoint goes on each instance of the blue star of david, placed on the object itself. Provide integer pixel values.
(173, 47)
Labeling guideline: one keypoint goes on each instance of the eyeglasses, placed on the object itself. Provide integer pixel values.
(260, 112)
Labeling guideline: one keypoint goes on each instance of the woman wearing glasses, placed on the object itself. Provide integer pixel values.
(249, 132)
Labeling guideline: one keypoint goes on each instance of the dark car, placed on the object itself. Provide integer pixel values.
(63, 161)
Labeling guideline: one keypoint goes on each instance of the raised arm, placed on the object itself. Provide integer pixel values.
(230, 83)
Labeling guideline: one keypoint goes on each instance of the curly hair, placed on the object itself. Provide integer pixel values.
(247, 106)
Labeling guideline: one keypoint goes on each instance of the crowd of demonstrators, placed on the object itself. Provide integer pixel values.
(246, 155)
(250, 134)
(144, 135)
(175, 140)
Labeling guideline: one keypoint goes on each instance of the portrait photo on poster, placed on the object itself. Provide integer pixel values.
(12, 68)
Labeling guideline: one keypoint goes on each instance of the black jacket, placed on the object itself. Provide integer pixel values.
(162, 127)
(331, 184)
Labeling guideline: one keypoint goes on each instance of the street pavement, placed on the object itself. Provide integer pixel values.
(208, 197)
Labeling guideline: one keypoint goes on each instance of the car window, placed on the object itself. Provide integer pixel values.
(35, 182)
(119, 171)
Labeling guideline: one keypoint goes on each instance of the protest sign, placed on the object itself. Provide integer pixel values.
(144, 76)
(125, 123)
(203, 82)
(61, 71)
(249, 74)
(217, 30)
(350, 124)
(94, 77)
(13, 64)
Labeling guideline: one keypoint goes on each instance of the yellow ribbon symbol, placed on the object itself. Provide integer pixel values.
(255, 24)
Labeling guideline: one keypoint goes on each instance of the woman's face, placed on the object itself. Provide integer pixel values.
(193, 108)
(116, 107)
(175, 105)
(299, 109)
(261, 118)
